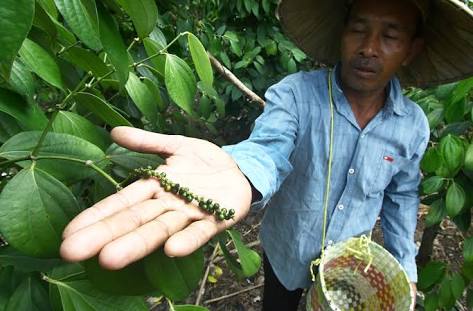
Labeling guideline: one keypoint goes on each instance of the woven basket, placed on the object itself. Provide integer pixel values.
(344, 283)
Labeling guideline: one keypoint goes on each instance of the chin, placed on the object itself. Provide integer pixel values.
(363, 86)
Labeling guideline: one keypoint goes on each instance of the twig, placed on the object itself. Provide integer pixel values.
(206, 274)
(229, 76)
(233, 294)
(233, 251)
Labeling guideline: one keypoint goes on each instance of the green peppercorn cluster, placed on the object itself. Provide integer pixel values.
(206, 204)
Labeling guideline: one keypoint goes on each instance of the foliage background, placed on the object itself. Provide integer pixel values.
(73, 69)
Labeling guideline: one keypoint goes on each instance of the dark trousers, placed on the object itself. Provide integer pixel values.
(276, 297)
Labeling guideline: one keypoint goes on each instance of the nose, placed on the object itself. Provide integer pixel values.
(369, 45)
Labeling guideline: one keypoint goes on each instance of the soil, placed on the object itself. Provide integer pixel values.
(231, 294)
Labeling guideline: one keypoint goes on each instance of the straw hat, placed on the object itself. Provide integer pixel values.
(316, 27)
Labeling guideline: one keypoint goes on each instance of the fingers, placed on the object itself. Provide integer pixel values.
(194, 236)
(147, 142)
(89, 240)
(138, 191)
(142, 241)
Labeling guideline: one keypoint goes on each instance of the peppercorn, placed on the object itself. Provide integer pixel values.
(184, 192)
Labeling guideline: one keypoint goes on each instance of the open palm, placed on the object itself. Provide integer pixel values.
(132, 223)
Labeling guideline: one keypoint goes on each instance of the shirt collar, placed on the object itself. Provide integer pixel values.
(394, 102)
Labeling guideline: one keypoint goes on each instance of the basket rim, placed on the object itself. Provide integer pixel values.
(341, 244)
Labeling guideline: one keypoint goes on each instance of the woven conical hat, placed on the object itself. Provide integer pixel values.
(316, 27)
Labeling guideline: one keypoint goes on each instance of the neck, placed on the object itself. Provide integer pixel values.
(365, 105)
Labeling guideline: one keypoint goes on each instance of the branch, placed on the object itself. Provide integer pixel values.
(230, 77)
(206, 274)
(234, 294)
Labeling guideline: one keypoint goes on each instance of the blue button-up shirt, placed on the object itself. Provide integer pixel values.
(375, 172)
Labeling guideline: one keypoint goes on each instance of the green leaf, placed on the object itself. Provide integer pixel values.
(431, 160)
(152, 48)
(44, 22)
(86, 60)
(201, 60)
(431, 274)
(59, 145)
(129, 281)
(180, 82)
(463, 220)
(432, 184)
(143, 13)
(445, 294)
(266, 4)
(468, 249)
(225, 59)
(452, 153)
(81, 16)
(234, 43)
(461, 90)
(40, 213)
(467, 270)
(11, 257)
(455, 199)
(113, 45)
(82, 295)
(249, 260)
(143, 98)
(156, 93)
(205, 107)
(49, 7)
(435, 117)
(175, 277)
(469, 158)
(9, 281)
(41, 63)
(101, 109)
(431, 302)
(16, 19)
(65, 37)
(29, 296)
(128, 160)
(21, 80)
(189, 308)
(30, 117)
(8, 127)
(454, 112)
(437, 212)
(71, 123)
(458, 286)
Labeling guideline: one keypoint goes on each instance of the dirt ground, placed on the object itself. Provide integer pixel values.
(229, 294)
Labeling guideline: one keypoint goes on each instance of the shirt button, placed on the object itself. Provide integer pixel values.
(341, 207)
(363, 135)
(351, 171)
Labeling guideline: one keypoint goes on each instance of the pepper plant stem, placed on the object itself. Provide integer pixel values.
(89, 163)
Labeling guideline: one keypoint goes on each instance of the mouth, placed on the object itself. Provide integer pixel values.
(365, 72)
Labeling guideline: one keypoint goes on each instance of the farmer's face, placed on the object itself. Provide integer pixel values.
(379, 38)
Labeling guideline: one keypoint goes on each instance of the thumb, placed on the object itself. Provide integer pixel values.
(147, 142)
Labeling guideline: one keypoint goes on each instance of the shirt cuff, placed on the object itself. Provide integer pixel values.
(254, 172)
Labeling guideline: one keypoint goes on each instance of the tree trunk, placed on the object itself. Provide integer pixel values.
(427, 245)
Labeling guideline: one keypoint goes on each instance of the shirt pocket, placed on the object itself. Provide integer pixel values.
(384, 167)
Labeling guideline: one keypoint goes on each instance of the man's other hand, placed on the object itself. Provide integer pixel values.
(135, 221)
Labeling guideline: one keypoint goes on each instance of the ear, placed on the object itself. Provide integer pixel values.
(417, 47)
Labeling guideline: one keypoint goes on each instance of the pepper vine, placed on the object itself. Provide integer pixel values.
(206, 204)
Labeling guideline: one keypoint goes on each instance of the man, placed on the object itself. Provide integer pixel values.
(380, 138)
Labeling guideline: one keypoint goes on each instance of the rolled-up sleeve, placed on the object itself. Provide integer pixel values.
(399, 212)
(264, 156)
